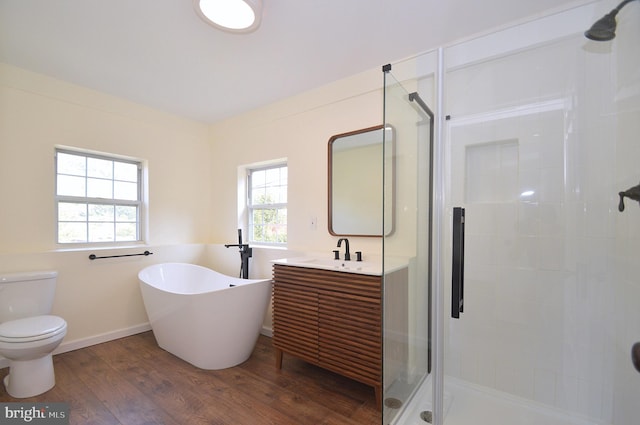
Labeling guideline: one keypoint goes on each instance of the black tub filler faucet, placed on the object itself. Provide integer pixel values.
(245, 254)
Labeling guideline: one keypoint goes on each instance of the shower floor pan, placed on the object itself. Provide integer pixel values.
(470, 404)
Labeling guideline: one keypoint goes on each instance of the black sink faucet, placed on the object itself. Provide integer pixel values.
(347, 256)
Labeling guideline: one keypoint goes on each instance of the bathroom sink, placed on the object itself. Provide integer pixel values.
(360, 267)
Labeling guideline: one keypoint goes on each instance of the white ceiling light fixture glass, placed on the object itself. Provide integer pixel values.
(240, 16)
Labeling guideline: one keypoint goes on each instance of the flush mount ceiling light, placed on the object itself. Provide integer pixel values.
(239, 16)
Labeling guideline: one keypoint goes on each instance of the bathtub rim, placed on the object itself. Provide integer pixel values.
(237, 281)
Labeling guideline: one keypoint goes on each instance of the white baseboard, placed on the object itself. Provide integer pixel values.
(267, 331)
(99, 339)
(92, 340)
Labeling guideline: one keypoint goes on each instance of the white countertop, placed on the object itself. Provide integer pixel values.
(373, 268)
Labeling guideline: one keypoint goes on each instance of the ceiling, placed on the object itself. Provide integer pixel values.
(159, 53)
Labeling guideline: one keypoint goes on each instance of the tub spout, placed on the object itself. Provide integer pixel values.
(245, 254)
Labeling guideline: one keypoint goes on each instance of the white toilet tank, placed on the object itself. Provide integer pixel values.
(26, 294)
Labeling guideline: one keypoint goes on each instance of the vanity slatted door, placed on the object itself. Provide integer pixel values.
(340, 311)
(349, 331)
(295, 319)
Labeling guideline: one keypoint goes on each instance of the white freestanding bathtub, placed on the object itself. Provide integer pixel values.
(204, 317)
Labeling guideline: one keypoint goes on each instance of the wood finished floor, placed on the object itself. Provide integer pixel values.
(131, 381)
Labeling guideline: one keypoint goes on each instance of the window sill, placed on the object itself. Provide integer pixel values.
(100, 247)
(266, 246)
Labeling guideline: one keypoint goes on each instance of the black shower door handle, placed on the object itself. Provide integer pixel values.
(457, 273)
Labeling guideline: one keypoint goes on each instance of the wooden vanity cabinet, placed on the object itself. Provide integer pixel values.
(331, 319)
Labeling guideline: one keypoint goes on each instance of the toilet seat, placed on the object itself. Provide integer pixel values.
(32, 329)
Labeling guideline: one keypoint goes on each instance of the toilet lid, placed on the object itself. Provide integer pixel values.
(32, 328)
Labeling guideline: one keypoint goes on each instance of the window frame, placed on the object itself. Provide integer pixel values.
(139, 203)
(250, 207)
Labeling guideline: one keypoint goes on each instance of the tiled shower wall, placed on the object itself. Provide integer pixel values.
(538, 145)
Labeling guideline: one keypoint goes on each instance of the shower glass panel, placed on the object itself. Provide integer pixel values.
(406, 249)
(537, 147)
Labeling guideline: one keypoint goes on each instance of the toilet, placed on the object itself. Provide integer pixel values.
(28, 333)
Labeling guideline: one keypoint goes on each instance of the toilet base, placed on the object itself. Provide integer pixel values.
(29, 378)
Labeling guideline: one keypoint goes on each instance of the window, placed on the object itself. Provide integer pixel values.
(98, 198)
(267, 204)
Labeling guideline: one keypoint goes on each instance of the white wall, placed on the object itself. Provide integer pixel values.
(298, 129)
(38, 113)
(99, 299)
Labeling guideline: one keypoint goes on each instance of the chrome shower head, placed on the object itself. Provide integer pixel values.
(605, 28)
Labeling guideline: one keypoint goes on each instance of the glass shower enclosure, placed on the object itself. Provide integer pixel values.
(536, 137)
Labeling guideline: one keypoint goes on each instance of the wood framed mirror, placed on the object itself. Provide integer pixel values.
(357, 163)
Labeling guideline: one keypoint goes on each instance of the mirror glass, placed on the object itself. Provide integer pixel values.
(356, 182)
